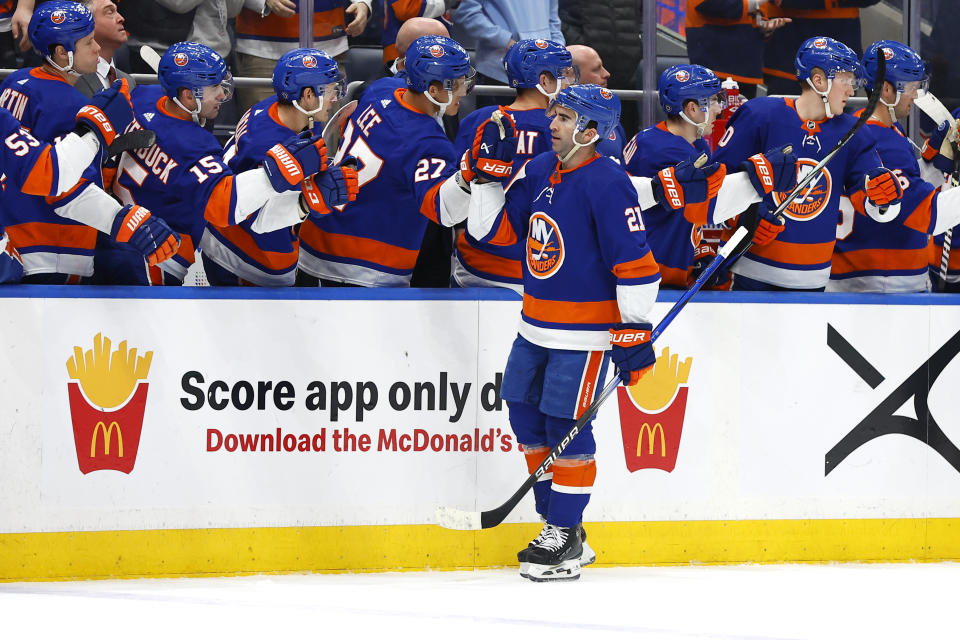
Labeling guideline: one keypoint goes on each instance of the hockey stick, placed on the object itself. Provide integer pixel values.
(334, 126)
(818, 168)
(948, 234)
(452, 518)
(151, 57)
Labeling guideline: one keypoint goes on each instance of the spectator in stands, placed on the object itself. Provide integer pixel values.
(612, 27)
(110, 34)
(837, 19)
(157, 24)
(211, 24)
(267, 29)
(497, 25)
(398, 12)
(591, 71)
(727, 37)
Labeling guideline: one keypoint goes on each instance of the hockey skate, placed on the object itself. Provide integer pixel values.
(588, 557)
(554, 555)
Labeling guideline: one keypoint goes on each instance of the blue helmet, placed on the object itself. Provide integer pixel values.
(303, 68)
(439, 58)
(193, 66)
(527, 59)
(825, 53)
(592, 103)
(683, 82)
(60, 23)
(903, 65)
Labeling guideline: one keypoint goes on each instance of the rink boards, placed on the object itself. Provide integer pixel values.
(318, 431)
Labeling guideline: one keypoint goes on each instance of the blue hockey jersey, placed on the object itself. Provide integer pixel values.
(265, 259)
(584, 238)
(404, 157)
(493, 264)
(886, 257)
(46, 106)
(800, 257)
(671, 237)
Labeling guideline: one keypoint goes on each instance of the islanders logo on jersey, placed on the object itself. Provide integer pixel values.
(544, 246)
(814, 198)
(309, 62)
(57, 17)
(436, 51)
(181, 59)
(683, 75)
(540, 44)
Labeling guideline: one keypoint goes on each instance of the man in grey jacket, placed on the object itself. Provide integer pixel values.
(110, 35)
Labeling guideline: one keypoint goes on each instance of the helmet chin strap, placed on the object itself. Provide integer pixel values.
(67, 69)
(550, 95)
(823, 95)
(195, 114)
(577, 145)
(443, 105)
(893, 114)
(700, 126)
(310, 113)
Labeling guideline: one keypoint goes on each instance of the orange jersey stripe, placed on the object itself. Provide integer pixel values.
(273, 26)
(373, 251)
(588, 386)
(187, 251)
(600, 312)
(487, 262)
(793, 253)
(673, 277)
(831, 11)
(879, 259)
(49, 234)
(219, 210)
(776, 73)
(40, 180)
(505, 235)
(640, 268)
(52, 200)
(429, 205)
(275, 260)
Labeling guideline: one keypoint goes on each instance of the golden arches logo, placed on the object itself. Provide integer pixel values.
(107, 390)
(107, 433)
(652, 433)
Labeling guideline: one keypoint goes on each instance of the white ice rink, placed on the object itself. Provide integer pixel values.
(850, 601)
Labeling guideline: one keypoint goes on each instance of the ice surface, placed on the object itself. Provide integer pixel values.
(903, 601)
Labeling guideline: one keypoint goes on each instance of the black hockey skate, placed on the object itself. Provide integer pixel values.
(555, 555)
(588, 557)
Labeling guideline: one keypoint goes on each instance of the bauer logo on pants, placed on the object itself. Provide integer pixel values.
(108, 394)
(652, 412)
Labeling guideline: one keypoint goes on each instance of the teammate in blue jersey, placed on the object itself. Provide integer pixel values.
(871, 255)
(938, 168)
(184, 179)
(690, 96)
(590, 70)
(800, 257)
(590, 282)
(407, 174)
(307, 83)
(538, 70)
(54, 218)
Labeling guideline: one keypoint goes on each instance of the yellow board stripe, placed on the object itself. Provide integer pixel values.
(199, 552)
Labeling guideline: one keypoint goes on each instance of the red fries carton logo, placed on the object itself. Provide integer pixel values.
(652, 412)
(309, 62)
(436, 51)
(108, 394)
(181, 59)
(683, 75)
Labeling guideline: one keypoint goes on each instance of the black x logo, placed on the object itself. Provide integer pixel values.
(882, 421)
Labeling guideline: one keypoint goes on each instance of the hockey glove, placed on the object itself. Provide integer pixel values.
(491, 155)
(148, 234)
(703, 255)
(332, 188)
(288, 163)
(935, 151)
(774, 170)
(686, 184)
(631, 350)
(882, 187)
(108, 114)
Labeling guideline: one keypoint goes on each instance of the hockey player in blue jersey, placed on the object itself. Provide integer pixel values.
(407, 175)
(308, 84)
(800, 257)
(538, 70)
(54, 218)
(590, 282)
(184, 179)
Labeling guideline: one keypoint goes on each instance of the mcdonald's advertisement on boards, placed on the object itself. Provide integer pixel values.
(144, 413)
